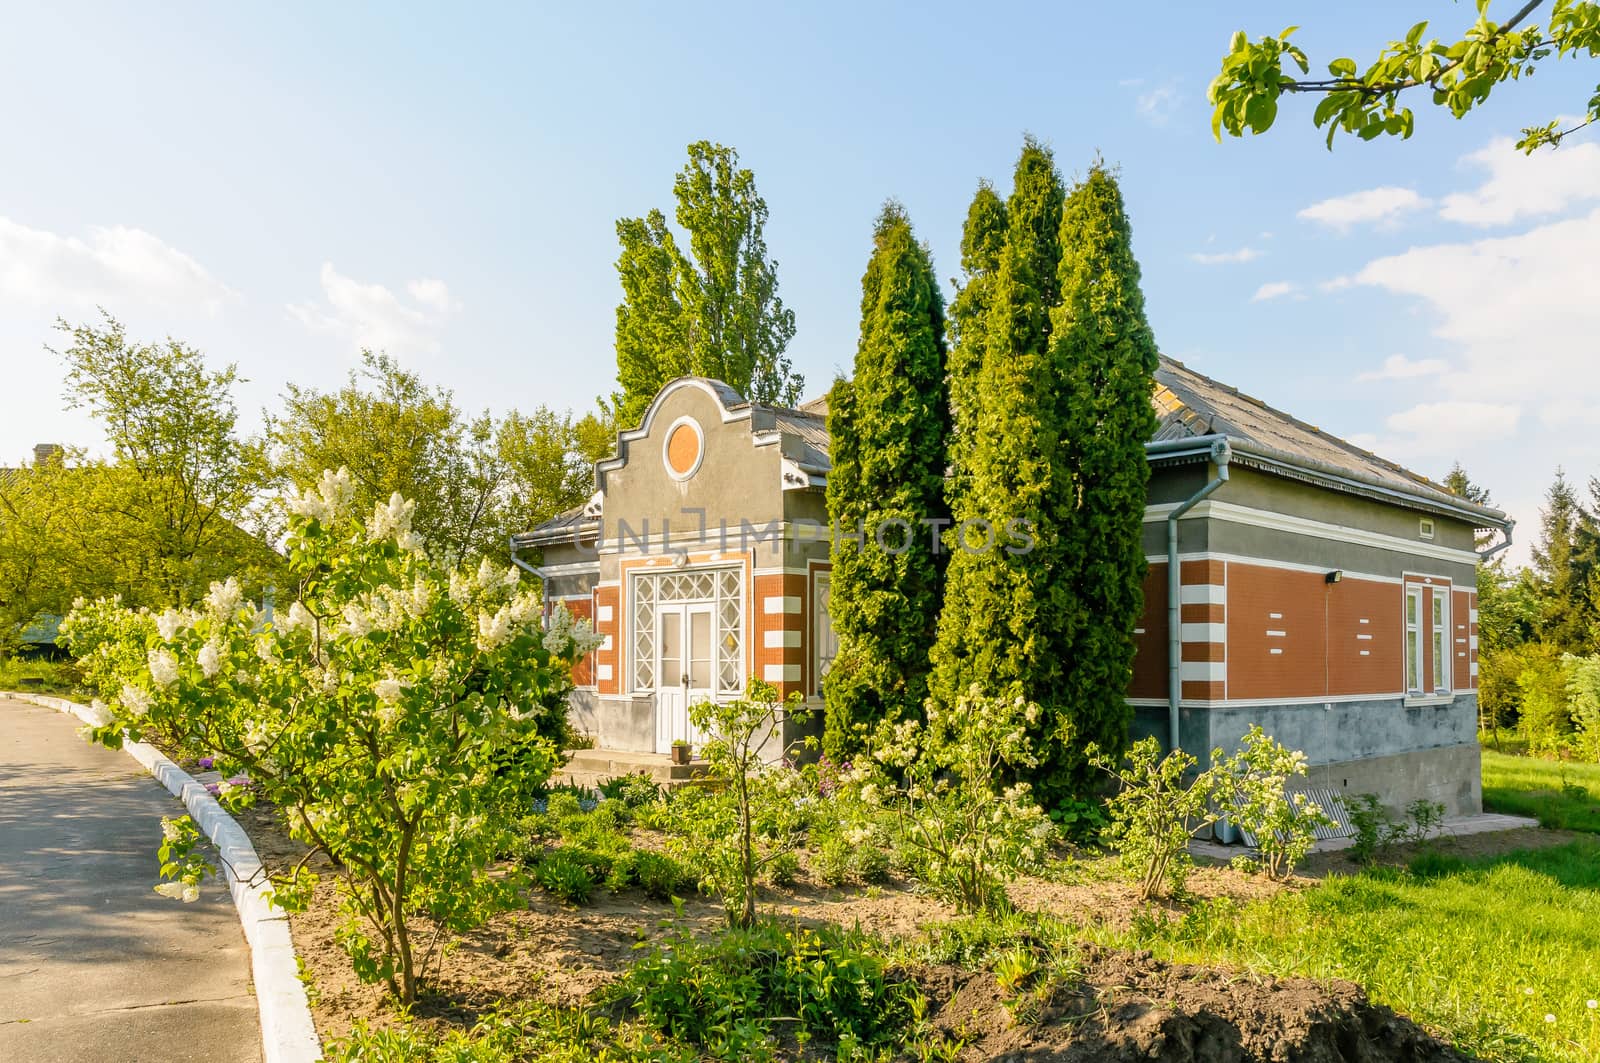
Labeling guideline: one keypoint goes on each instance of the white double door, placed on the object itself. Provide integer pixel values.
(685, 661)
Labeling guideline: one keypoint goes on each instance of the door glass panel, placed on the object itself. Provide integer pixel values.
(700, 649)
(671, 647)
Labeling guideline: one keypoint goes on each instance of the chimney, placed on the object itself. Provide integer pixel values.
(43, 453)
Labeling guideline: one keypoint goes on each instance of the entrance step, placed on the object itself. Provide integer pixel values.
(588, 767)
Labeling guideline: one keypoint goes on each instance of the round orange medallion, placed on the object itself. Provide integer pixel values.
(683, 449)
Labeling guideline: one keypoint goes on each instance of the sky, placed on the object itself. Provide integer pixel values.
(280, 187)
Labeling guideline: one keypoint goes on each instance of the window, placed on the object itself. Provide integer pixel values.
(1425, 527)
(822, 634)
(1414, 639)
(1441, 639)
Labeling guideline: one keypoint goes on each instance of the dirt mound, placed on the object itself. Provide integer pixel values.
(1131, 1007)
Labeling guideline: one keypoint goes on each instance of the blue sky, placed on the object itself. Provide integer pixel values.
(280, 187)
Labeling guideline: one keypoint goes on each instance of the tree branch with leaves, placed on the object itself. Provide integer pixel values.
(1460, 74)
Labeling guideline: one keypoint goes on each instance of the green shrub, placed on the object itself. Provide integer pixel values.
(659, 875)
(1253, 783)
(724, 994)
(1156, 813)
(564, 874)
(634, 791)
(783, 869)
(1376, 829)
(1424, 819)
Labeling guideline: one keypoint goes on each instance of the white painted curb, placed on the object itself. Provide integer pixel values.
(287, 1032)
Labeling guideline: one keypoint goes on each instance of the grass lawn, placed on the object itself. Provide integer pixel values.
(1562, 795)
(38, 676)
(1482, 953)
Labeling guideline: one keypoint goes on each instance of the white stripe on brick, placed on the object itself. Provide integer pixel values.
(781, 673)
(1204, 594)
(1203, 671)
(605, 642)
(1276, 650)
(780, 604)
(1205, 632)
(603, 614)
(777, 640)
(1271, 634)
(602, 671)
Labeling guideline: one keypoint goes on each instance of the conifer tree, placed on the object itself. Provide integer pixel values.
(889, 427)
(1567, 560)
(1106, 355)
(1008, 621)
(982, 238)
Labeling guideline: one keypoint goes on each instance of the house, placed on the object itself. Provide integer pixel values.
(1295, 581)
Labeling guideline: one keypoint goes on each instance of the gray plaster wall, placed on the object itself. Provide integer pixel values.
(1399, 752)
(624, 723)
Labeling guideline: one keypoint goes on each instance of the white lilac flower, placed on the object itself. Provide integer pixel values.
(210, 658)
(163, 667)
(224, 600)
(410, 542)
(135, 699)
(296, 618)
(391, 520)
(460, 588)
(493, 630)
(356, 621)
(419, 600)
(169, 829)
(167, 624)
(267, 650)
(388, 690)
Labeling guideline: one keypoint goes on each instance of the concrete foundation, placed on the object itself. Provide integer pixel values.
(1401, 753)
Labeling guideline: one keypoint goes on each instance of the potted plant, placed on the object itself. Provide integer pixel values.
(680, 752)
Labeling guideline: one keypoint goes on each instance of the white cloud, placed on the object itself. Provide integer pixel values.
(1446, 427)
(1220, 258)
(1520, 310)
(372, 316)
(1525, 186)
(1158, 104)
(113, 266)
(1273, 290)
(1375, 205)
(1399, 367)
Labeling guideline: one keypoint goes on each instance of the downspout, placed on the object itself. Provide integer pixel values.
(1220, 453)
(544, 584)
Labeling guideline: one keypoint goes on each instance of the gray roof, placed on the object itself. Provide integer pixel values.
(1189, 405)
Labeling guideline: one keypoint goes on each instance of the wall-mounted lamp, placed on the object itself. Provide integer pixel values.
(1335, 576)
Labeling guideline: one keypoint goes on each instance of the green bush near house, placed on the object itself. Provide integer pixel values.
(39, 676)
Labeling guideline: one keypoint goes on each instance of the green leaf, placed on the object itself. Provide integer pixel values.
(1415, 33)
(1342, 68)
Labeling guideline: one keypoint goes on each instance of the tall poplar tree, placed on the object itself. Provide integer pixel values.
(1106, 355)
(1567, 560)
(889, 427)
(714, 312)
(982, 238)
(1008, 621)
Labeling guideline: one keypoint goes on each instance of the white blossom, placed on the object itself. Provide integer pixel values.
(328, 500)
(460, 588)
(210, 658)
(419, 600)
(168, 623)
(493, 630)
(163, 667)
(169, 829)
(356, 621)
(391, 520)
(135, 699)
(388, 690)
(179, 891)
(224, 600)
(296, 618)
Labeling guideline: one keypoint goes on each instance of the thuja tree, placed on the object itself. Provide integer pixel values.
(390, 713)
(1008, 620)
(887, 485)
(982, 237)
(1106, 355)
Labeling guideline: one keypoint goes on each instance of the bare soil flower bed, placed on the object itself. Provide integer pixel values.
(1126, 1005)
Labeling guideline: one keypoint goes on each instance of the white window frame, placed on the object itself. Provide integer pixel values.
(1442, 658)
(822, 630)
(1413, 639)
